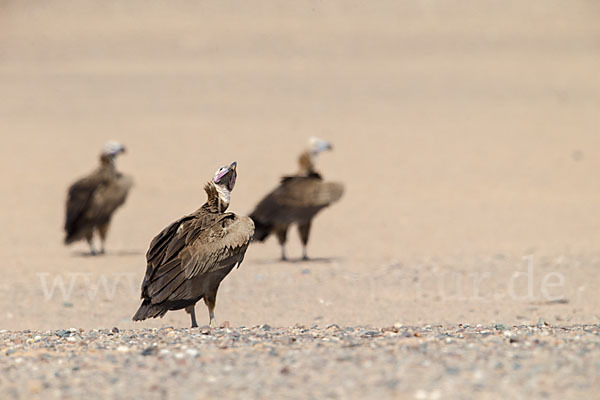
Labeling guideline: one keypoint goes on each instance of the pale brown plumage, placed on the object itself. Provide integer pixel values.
(187, 261)
(296, 200)
(93, 199)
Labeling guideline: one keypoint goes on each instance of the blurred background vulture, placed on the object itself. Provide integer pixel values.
(93, 199)
(296, 200)
(187, 261)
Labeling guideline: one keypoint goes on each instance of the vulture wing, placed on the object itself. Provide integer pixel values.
(79, 199)
(93, 199)
(296, 199)
(191, 248)
(109, 197)
(307, 192)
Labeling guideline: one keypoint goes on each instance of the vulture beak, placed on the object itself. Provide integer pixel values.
(232, 168)
(119, 151)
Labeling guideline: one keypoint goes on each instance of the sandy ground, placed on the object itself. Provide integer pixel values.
(467, 138)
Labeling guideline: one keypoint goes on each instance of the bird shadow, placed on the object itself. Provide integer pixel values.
(115, 253)
(315, 260)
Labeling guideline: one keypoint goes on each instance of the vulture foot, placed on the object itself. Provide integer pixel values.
(93, 251)
(192, 311)
(304, 254)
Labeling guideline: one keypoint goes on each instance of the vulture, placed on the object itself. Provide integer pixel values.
(92, 200)
(296, 200)
(187, 261)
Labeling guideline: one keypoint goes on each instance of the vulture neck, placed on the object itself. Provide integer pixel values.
(218, 198)
(107, 162)
(306, 164)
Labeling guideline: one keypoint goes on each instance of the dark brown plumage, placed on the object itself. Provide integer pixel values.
(296, 200)
(93, 199)
(187, 261)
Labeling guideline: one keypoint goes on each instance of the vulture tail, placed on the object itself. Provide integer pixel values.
(149, 310)
(261, 229)
(71, 236)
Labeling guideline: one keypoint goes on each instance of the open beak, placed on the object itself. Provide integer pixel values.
(233, 166)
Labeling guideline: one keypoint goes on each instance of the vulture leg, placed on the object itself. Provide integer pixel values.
(192, 311)
(304, 230)
(90, 240)
(282, 237)
(210, 299)
(102, 230)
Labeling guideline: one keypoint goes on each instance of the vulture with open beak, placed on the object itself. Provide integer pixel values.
(296, 200)
(187, 261)
(92, 200)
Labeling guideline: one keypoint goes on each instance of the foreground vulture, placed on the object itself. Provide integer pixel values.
(187, 261)
(93, 199)
(296, 200)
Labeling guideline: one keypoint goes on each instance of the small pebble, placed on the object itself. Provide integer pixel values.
(315, 362)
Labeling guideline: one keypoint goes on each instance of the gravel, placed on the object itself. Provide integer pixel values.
(428, 362)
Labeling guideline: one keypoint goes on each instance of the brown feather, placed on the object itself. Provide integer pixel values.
(296, 199)
(185, 259)
(93, 199)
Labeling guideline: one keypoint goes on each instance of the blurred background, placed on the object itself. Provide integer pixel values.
(467, 135)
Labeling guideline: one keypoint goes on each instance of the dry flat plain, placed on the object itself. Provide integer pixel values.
(462, 261)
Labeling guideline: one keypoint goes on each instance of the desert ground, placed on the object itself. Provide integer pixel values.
(467, 136)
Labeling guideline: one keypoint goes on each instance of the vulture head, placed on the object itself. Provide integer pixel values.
(225, 177)
(307, 159)
(223, 183)
(112, 149)
(316, 145)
